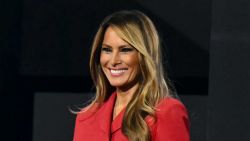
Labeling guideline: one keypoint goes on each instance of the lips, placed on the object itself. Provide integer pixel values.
(117, 72)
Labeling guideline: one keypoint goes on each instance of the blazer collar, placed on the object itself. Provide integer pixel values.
(104, 115)
(117, 122)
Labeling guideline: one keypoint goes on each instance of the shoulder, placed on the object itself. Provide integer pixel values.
(88, 111)
(171, 122)
(171, 107)
(169, 104)
(95, 108)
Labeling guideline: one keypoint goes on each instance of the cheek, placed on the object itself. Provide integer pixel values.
(133, 62)
(103, 59)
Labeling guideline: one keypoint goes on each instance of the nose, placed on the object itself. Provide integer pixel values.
(115, 59)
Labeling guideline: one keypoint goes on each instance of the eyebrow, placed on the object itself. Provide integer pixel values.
(121, 46)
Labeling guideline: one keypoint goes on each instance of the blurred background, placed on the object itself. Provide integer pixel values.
(45, 48)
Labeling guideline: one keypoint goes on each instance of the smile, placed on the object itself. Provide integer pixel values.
(117, 72)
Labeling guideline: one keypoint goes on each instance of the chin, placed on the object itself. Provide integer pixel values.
(116, 84)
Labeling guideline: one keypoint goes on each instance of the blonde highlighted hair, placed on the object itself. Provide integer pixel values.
(138, 30)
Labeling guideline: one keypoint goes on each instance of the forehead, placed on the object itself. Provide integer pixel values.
(111, 38)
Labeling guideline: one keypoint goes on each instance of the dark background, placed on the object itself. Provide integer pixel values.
(44, 54)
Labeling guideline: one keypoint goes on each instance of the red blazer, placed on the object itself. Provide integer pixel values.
(96, 124)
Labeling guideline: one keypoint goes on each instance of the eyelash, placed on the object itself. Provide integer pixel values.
(106, 49)
(126, 49)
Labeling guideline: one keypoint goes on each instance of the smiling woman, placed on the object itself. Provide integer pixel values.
(133, 100)
(119, 60)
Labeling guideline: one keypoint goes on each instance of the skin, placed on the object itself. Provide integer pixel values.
(120, 64)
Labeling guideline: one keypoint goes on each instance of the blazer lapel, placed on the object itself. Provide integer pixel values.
(117, 122)
(104, 115)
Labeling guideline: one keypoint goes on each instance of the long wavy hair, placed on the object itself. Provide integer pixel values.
(138, 30)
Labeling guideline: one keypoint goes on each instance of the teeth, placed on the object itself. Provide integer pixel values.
(117, 71)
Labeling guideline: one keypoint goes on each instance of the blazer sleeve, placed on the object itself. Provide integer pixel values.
(76, 131)
(172, 123)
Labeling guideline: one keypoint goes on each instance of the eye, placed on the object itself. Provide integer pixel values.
(106, 49)
(127, 49)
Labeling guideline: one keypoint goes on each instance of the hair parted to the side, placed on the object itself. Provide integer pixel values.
(138, 30)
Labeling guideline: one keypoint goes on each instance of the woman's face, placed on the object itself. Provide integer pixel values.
(119, 60)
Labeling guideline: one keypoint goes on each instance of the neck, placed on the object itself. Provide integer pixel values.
(124, 95)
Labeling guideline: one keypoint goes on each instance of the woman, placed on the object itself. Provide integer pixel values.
(133, 101)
